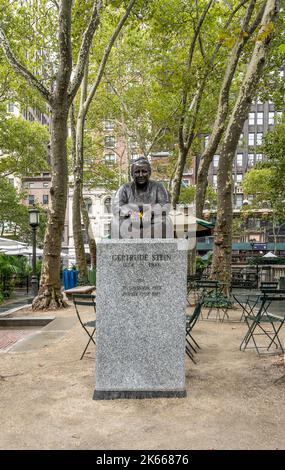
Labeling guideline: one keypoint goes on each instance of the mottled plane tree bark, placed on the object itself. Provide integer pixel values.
(78, 160)
(221, 264)
(59, 98)
(220, 121)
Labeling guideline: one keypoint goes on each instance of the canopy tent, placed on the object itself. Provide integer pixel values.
(189, 224)
(6, 243)
(269, 255)
(28, 251)
(204, 228)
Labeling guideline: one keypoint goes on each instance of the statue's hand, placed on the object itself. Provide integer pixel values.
(147, 216)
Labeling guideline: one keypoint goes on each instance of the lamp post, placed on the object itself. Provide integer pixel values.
(34, 223)
(252, 241)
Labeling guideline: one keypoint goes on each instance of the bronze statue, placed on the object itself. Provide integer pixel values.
(140, 207)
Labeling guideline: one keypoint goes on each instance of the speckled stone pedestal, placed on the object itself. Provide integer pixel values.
(140, 320)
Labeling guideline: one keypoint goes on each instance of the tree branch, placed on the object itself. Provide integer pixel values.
(21, 69)
(84, 49)
(106, 55)
(188, 66)
(65, 54)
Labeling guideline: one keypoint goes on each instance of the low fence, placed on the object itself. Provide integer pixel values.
(15, 283)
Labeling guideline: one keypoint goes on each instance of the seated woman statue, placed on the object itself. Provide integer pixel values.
(141, 207)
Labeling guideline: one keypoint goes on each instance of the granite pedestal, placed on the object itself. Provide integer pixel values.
(140, 319)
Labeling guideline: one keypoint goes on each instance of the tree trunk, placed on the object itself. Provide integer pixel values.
(89, 231)
(176, 182)
(221, 265)
(76, 203)
(50, 295)
(223, 106)
(59, 99)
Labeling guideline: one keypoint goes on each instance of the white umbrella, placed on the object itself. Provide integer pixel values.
(269, 255)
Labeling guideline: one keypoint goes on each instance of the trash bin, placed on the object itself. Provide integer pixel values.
(70, 278)
(282, 283)
(92, 276)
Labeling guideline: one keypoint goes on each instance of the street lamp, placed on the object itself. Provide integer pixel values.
(252, 241)
(34, 223)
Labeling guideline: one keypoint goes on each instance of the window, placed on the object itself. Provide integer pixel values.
(109, 125)
(259, 137)
(45, 175)
(88, 205)
(206, 140)
(110, 158)
(45, 199)
(250, 139)
(239, 200)
(240, 141)
(250, 159)
(31, 185)
(11, 108)
(107, 205)
(239, 159)
(259, 157)
(216, 161)
(215, 180)
(271, 117)
(107, 230)
(259, 118)
(186, 182)
(251, 119)
(239, 177)
(110, 141)
(84, 236)
(31, 200)
(45, 185)
(11, 181)
(133, 142)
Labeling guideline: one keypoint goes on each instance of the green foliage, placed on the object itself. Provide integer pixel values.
(14, 216)
(10, 266)
(12, 212)
(23, 145)
(187, 195)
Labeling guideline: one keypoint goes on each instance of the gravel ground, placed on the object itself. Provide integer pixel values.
(235, 400)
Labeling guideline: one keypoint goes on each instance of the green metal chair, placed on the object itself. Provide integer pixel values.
(190, 323)
(86, 300)
(215, 300)
(249, 303)
(265, 324)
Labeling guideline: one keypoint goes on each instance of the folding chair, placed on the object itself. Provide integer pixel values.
(214, 299)
(190, 322)
(192, 287)
(259, 324)
(272, 285)
(86, 300)
(248, 303)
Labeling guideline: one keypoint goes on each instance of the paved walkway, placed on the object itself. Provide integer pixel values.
(14, 304)
(234, 400)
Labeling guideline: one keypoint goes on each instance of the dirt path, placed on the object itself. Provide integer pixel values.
(233, 402)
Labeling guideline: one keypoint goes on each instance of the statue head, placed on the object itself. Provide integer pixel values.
(141, 171)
